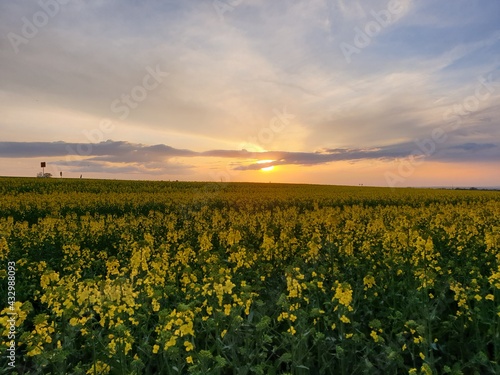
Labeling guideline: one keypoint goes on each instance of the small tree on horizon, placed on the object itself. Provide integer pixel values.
(44, 175)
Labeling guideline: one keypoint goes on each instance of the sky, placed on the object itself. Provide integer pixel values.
(384, 93)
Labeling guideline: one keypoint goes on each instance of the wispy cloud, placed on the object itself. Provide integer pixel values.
(227, 77)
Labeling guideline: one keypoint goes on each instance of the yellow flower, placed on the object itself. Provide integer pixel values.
(223, 333)
(112, 346)
(344, 294)
(490, 297)
(156, 305)
(422, 355)
(34, 351)
(189, 359)
(99, 368)
(345, 319)
(171, 342)
(189, 346)
(425, 369)
(368, 281)
(187, 329)
(155, 349)
(292, 330)
(73, 322)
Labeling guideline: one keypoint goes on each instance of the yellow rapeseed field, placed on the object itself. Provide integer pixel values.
(117, 277)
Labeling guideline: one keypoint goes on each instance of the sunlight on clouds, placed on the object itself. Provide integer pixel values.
(230, 82)
(266, 169)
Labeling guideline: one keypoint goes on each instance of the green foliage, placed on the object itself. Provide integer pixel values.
(127, 277)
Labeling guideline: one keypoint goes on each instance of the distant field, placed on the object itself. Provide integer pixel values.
(140, 277)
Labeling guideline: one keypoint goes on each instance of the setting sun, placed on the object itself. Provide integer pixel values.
(370, 104)
(268, 168)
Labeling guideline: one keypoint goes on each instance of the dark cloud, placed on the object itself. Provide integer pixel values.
(119, 151)
(474, 146)
(154, 168)
(119, 156)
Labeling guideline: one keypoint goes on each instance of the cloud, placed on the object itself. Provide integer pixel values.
(149, 168)
(474, 146)
(227, 78)
(109, 150)
(116, 156)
